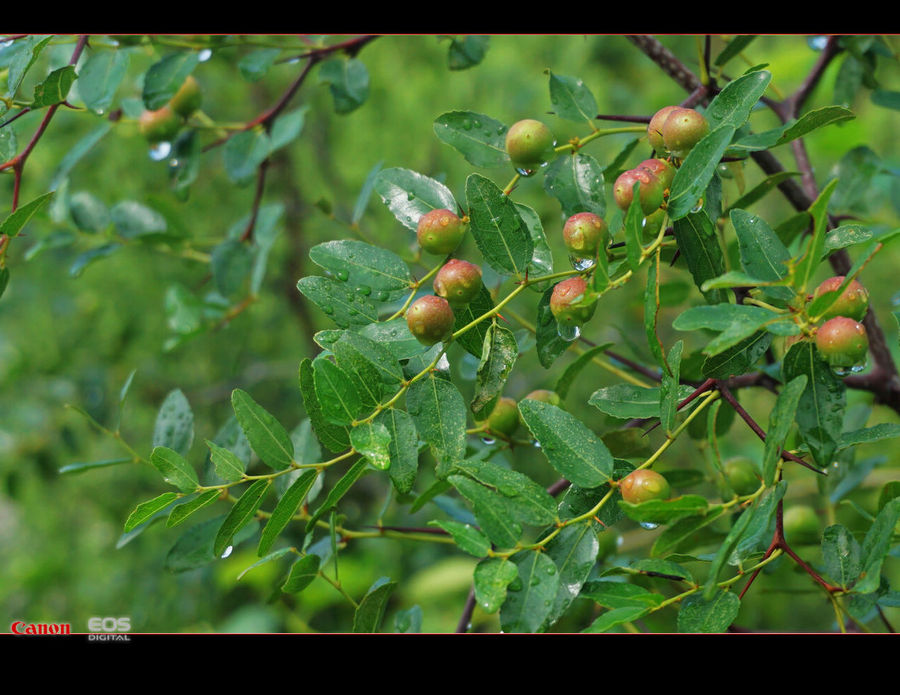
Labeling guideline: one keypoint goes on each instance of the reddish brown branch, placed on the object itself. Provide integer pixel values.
(466, 618)
(257, 199)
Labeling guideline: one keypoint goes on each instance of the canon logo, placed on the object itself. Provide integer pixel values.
(20, 627)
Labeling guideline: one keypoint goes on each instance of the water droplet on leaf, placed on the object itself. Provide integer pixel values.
(649, 525)
(227, 551)
(582, 263)
(490, 441)
(342, 275)
(160, 151)
(364, 290)
(204, 55)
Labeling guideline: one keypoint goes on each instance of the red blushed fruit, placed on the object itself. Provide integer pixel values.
(651, 190)
(683, 129)
(654, 128)
(440, 231)
(644, 485)
(458, 282)
(504, 418)
(565, 300)
(852, 303)
(660, 168)
(585, 233)
(842, 342)
(430, 319)
(157, 126)
(529, 144)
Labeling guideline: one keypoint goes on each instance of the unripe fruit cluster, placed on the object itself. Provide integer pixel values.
(163, 124)
(654, 177)
(842, 340)
(675, 130)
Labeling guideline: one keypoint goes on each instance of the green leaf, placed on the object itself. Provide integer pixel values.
(697, 170)
(699, 614)
(175, 470)
(85, 259)
(348, 81)
(733, 104)
(354, 473)
(735, 323)
(74, 468)
(373, 441)
(281, 552)
(846, 235)
(133, 220)
(303, 572)
(626, 401)
(365, 193)
(256, 64)
(371, 609)
(541, 262)
(335, 438)
(574, 369)
(808, 264)
(22, 62)
(369, 270)
(492, 576)
(492, 510)
(231, 263)
(468, 538)
(617, 616)
(576, 181)
(807, 123)
(74, 155)
(549, 343)
(499, 231)
(780, 421)
(651, 311)
(55, 87)
(241, 513)
(409, 195)
(244, 152)
(478, 138)
(530, 597)
(734, 47)
(343, 306)
(14, 223)
(574, 552)
(842, 555)
(876, 433)
(820, 412)
(467, 51)
(875, 546)
(266, 435)
(738, 529)
(183, 511)
(886, 98)
(497, 360)
(527, 502)
(4, 279)
(762, 254)
(88, 212)
(615, 595)
(759, 190)
(147, 509)
(738, 359)
(472, 341)
(570, 447)
(408, 621)
(682, 529)
(439, 412)
(403, 447)
(759, 529)
(665, 511)
(166, 76)
(572, 100)
(339, 397)
(634, 229)
(195, 547)
(699, 244)
(285, 509)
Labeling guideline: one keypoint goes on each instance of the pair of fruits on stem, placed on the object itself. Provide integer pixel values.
(163, 124)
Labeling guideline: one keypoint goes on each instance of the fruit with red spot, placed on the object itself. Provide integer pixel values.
(741, 475)
(160, 125)
(430, 319)
(188, 98)
(853, 302)
(842, 342)
(529, 144)
(458, 282)
(801, 525)
(440, 231)
(660, 168)
(654, 128)
(650, 189)
(504, 418)
(683, 129)
(585, 233)
(567, 302)
(644, 485)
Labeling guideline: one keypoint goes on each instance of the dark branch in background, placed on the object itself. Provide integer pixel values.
(666, 60)
(626, 119)
(466, 617)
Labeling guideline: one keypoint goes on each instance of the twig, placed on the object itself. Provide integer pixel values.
(463, 625)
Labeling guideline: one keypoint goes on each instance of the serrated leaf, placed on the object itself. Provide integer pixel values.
(738, 529)
(733, 104)
(669, 388)
(14, 222)
(810, 261)
(133, 220)
(572, 99)
(372, 440)
(335, 438)
(147, 509)
(409, 195)
(841, 555)
(195, 546)
(339, 396)
(807, 123)
(529, 598)
(439, 412)
(31, 48)
(615, 595)
(366, 269)
(256, 64)
(696, 171)
(715, 614)
(468, 538)
(541, 262)
(527, 502)
(166, 76)
(343, 306)
(570, 447)
(403, 448)
(846, 235)
(241, 514)
(665, 511)
(734, 47)
(303, 572)
(626, 401)
(499, 231)
(371, 609)
(617, 616)
(762, 253)
(491, 510)
(175, 470)
(472, 341)
(576, 181)
(738, 359)
(497, 359)
(478, 138)
(183, 511)
(699, 244)
(55, 87)
(634, 228)
(281, 552)
(285, 509)
(231, 264)
(780, 421)
(574, 552)
(492, 576)
(266, 435)
(760, 190)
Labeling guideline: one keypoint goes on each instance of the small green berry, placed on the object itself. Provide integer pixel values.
(801, 525)
(504, 418)
(741, 475)
(529, 144)
(683, 129)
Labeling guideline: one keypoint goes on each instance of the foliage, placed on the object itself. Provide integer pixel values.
(330, 471)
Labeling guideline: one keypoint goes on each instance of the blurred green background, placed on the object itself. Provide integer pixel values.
(67, 340)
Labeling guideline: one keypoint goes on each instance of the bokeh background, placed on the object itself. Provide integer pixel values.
(75, 340)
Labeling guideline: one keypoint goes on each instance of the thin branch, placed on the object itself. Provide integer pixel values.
(257, 199)
(463, 625)
(625, 119)
(666, 60)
